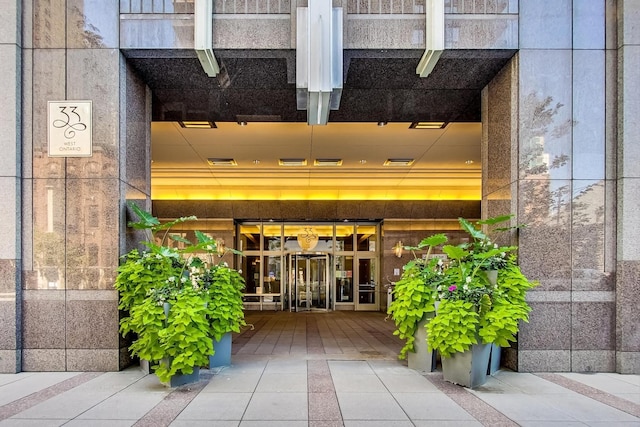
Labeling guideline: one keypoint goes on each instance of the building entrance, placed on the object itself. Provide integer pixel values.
(308, 278)
(303, 266)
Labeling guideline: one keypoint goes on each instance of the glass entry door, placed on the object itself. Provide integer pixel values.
(308, 281)
(367, 285)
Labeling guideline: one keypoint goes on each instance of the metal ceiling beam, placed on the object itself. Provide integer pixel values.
(434, 31)
(319, 60)
(203, 36)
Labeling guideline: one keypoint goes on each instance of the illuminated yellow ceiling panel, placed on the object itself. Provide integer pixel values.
(440, 170)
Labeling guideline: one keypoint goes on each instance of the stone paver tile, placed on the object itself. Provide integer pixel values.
(277, 407)
(407, 383)
(13, 422)
(606, 383)
(324, 406)
(274, 424)
(196, 423)
(100, 423)
(233, 383)
(456, 423)
(538, 423)
(65, 406)
(292, 366)
(370, 406)
(275, 383)
(586, 410)
(123, 406)
(325, 423)
(370, 423)
(514, 382)
(17, 386)
(356, 367)
(347, 383)
(216, 407)
(524, 407)
(431, 406)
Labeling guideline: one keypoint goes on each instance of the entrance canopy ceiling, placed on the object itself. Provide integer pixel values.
(258, 87)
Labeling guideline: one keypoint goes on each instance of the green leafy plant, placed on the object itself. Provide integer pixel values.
(472, 308)
(454, 327)
(414, 294)
(173, 301)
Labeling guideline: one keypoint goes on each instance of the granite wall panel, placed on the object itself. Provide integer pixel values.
(544, 361)
(593, 326)
(44, 320)
(549, 327)
(9, 324)
(44, 360)
(92, 324)
(92, 236)
(49, 24)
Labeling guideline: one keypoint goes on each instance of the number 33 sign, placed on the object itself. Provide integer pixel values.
(69, 129)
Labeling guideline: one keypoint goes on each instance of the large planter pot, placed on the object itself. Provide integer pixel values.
(422, 360)
(494, 359)
(182, 379)
(469, 368)
(222, 352)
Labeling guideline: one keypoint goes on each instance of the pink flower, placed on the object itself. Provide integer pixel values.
(452, 288)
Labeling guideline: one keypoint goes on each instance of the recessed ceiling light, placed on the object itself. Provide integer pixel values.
(398, 162)
(256, 162)
(221, 162)
(428, 125)
(469, 162)
(198, 125)
(327, 162)
(381, 124)
(292, 162)
(363, 162)
(242, 123)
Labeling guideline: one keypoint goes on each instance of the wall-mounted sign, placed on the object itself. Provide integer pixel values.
(69, 129)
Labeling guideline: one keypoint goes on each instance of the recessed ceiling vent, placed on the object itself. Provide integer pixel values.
(398, 162)
(327, 162)
(292, 162)
(221, 162)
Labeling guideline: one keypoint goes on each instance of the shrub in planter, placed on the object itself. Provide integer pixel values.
(414, 295)
(167, 304)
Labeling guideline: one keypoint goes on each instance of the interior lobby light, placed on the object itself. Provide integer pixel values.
(428, 125)
(327, 162)
(221, 162)
(397, 249)
(398, 162)
(292, 162)
(382, 124)
(242, 123)
(198, 124)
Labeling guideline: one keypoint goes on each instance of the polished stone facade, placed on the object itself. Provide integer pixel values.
(560, 134)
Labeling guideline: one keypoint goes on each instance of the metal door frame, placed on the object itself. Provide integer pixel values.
(294, 280)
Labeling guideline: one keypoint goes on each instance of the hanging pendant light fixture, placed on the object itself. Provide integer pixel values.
(307, 239)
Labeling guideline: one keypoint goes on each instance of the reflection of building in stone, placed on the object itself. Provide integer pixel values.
(74, 248)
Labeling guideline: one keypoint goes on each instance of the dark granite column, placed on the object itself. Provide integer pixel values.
(11, 48)
(76, 231)
(560, 180)
(628, 209)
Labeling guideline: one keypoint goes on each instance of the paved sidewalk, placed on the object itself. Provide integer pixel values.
(297, 392)
(317, 370)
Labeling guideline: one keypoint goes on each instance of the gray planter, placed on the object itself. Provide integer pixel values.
(495, 359)
(468, 369)
(422, 360)
(222, 352)
(182, 379)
